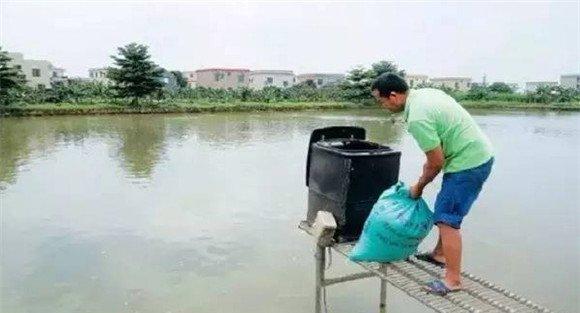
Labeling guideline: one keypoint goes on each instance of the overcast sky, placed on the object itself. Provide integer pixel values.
(509, 41)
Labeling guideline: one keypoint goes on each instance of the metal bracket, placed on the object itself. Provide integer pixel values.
(323, 229)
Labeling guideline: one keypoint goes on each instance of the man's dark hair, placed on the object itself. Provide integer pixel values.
(389, 82)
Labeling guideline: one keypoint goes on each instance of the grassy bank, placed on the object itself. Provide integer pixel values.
(111, 108)
(510, 105)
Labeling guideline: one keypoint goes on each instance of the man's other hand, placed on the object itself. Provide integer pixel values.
(415, 192)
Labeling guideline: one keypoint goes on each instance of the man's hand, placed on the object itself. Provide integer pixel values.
(434, 164)
(415, 191)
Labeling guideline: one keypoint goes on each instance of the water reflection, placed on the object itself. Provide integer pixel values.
(14, 150)
(139, 142)
(23, 139)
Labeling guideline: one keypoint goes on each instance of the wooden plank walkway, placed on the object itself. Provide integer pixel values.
(411, 275)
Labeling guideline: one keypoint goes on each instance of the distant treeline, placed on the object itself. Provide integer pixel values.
(136, 80)
(545, 94)
(95, 92)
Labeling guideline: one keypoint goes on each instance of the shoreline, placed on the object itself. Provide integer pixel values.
(567, 106)
(110, 109)
(113, 109)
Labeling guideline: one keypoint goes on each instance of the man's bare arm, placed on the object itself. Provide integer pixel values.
(432, 167)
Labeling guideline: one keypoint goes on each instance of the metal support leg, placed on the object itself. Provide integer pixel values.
(383, 303)
(320, 262)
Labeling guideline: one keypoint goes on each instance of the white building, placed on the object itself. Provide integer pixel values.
(222, 78)
(455, 83)
(191, 77)
(38, 73)
(570, 81)
(414, 80)
(58, 76)
(533, 86)
(99, 74)
(321, 79)
(277, 78)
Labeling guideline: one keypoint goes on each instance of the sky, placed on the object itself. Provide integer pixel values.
(511, 41)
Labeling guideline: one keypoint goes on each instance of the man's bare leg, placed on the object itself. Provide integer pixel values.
(437, 253)
(451, 243)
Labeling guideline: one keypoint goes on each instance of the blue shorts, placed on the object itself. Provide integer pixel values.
(458, 192)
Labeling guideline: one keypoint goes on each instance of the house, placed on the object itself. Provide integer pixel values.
(321, 79)
(277, 78)
(99, 74)
(58, 76)
(224, 78)
(533, 86)
(416, 80)
(455, 83)
(570, 81)
(191, 78)
(38, 73)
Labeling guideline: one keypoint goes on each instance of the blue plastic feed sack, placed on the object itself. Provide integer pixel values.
(395, 227)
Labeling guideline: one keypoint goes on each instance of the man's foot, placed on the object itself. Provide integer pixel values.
(440, 287)
(431, 258)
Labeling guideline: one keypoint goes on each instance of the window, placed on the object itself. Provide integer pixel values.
(40, 86)
(35, 72)
(411, 82)
(18, 66)
(456, 85)
(219, 76)
(241, 78)
(229, 73)
(269, 80)
(319, 82)
(285, 83)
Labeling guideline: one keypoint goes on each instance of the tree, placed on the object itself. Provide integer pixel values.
(304, 91)
(136, 75)
(181, 81)
(385, 67)
(11, 78)
(358, 83)
(550, 94)
(357, 86)
(500, 87)
(476, 92)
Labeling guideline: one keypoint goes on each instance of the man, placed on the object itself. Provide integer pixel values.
(452, 142)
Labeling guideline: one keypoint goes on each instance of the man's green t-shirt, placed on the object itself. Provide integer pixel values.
(434, 118)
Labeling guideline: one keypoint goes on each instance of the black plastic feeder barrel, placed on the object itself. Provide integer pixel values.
(345, 175)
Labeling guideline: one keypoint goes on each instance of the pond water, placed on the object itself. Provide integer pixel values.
(199, 213)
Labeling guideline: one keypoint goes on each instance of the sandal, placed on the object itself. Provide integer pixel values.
(438, 287)
(428, 257)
